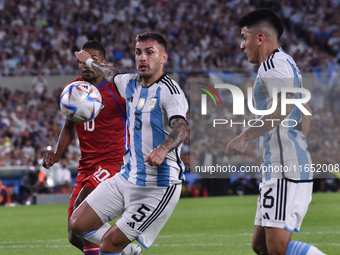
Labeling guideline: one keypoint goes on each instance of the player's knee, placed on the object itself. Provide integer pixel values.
(110, 241)
(259, 248)
(76, 227)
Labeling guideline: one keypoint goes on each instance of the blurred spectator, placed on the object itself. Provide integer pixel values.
(18, 120)
(335, 100)
(14, 197)
(39, 84)
(74, 159)
(186, 190)
(28, 150)
(63, 179)
(5, 197)
(317, 101)
(127, 62)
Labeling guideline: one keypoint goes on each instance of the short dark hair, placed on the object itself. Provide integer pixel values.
(96, 46)
(262, 15)
(154, 36)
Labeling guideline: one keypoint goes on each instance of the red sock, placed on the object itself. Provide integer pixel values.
(91, 250)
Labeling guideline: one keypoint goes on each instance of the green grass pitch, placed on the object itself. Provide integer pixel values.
(215, 225)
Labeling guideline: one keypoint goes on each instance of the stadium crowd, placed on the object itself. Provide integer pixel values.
(202, 35)
(39, 38)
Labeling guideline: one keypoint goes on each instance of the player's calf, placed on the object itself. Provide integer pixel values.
(259, 241)
(75, 240)
(277, 240)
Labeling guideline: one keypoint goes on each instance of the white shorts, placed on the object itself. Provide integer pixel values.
(283, 203)
(144, 210)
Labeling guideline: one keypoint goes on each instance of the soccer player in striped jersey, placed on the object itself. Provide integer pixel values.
(147, 190)
(284, 196)
(102, 141)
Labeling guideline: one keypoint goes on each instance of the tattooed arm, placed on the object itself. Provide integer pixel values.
(179, 132)
(106, 71)
(266, 123)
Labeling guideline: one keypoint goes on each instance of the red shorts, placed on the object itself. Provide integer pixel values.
(83, 179)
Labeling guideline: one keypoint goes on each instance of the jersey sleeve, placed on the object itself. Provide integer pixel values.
(174, 102)
(121, 81)
(280, 76)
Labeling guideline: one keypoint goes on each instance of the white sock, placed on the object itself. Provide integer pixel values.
(130, 249)
(300, 248)
(97, 235)
(314, 251)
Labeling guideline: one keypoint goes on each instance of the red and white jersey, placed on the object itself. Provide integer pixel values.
(104, 139)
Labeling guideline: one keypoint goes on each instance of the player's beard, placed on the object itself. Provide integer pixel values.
(91, 79)
(145, 76)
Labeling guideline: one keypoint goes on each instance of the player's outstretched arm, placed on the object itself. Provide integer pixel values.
(65, 138)
(240, 143)
(106, 71)
(176, 137)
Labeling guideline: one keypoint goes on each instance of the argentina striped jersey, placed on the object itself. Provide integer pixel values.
(149, 112)
(285, 145)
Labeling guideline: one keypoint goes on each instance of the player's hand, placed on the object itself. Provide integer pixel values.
(49, 159)
(82, 56)
(237, 146)
(156, 156)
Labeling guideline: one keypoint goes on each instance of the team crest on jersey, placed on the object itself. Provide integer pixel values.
(103, 106)
(141, 103)
(153, 103)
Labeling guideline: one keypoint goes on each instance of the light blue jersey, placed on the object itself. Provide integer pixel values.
(284, 146)
(149, 112)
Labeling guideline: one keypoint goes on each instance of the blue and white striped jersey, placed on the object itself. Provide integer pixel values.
(284, 145)
(149, 112)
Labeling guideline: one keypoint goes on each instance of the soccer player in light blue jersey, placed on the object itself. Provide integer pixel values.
(284, 194)
(148, 187)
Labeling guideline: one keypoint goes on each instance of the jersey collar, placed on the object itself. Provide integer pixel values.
(158, 80)
(102, 84)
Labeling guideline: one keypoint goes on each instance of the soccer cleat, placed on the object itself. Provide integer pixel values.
(132, 249)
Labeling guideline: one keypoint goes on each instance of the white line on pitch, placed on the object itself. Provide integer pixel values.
(35, 241)
(240, 234)
(229, 244)
(173, 236)
(34, 246)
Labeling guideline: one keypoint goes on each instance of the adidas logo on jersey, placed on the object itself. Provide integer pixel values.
(131, 224)
(266, 216)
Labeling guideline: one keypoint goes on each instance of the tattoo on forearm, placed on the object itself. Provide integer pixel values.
(174, 122)
(177, 135)
(106, 71)
(246, 135)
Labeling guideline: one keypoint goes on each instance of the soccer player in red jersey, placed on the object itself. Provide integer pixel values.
(103, 141)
